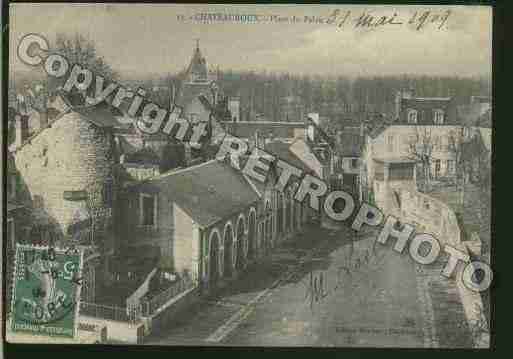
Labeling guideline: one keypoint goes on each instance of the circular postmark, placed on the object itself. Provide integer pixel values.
(47, 286)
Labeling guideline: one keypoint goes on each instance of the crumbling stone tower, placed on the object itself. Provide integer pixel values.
(68, 170)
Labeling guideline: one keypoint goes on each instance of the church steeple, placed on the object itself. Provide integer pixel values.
(197, 70)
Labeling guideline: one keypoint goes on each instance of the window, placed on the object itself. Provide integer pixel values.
(390, 143)
(412, 116)
(451, 168)
(400, 172)
(148, 210)
(194, 117)
(437, 144)
(354, 163)
(437, 168)
(107, 192)
(439, 117)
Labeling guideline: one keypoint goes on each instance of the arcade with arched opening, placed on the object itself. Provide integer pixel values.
(213, 270)
(241, 227)
(228, 250)
(252, 229)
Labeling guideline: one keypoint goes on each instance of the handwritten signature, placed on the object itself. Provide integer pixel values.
(317, 287)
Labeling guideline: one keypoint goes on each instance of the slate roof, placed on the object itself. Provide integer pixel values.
(198, 65)
(102, 115)
(208, 192)
(283, 152)
(248, 129)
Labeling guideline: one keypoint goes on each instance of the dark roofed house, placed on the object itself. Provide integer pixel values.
(414, 110)
(175, 212)
(198, 190)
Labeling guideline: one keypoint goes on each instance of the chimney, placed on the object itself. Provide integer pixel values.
(21, 130)
(172, 95)
(256, 139)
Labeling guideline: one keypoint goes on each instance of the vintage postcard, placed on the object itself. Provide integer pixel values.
(248, 175)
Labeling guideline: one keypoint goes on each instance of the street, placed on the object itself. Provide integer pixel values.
(318, 290)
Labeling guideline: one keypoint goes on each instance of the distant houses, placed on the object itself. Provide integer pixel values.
(431, 133)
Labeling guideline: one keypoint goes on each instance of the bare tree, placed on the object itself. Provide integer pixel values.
(420, 148)
(472, 160)
(82, 51)
(456, 148)
(78, 49)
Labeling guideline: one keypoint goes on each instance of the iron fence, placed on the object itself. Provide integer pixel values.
(150, 306)
(120, 314)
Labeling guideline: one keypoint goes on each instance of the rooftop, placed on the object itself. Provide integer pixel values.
(200, 189)
(264, 128)
(430, 98)
(283, 152)
(394, 160)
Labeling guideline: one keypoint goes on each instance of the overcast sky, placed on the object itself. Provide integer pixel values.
(148, 38)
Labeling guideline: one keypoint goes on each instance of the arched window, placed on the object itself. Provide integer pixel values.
(412, 116)
(439, 117)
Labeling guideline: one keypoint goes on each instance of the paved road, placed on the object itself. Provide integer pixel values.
(319, 291)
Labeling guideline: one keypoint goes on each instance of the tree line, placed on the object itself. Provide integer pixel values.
(285, 96)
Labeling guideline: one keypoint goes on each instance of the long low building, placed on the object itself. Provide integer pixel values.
(208, 220)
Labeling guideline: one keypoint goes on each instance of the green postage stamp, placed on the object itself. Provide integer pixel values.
(46, 291)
